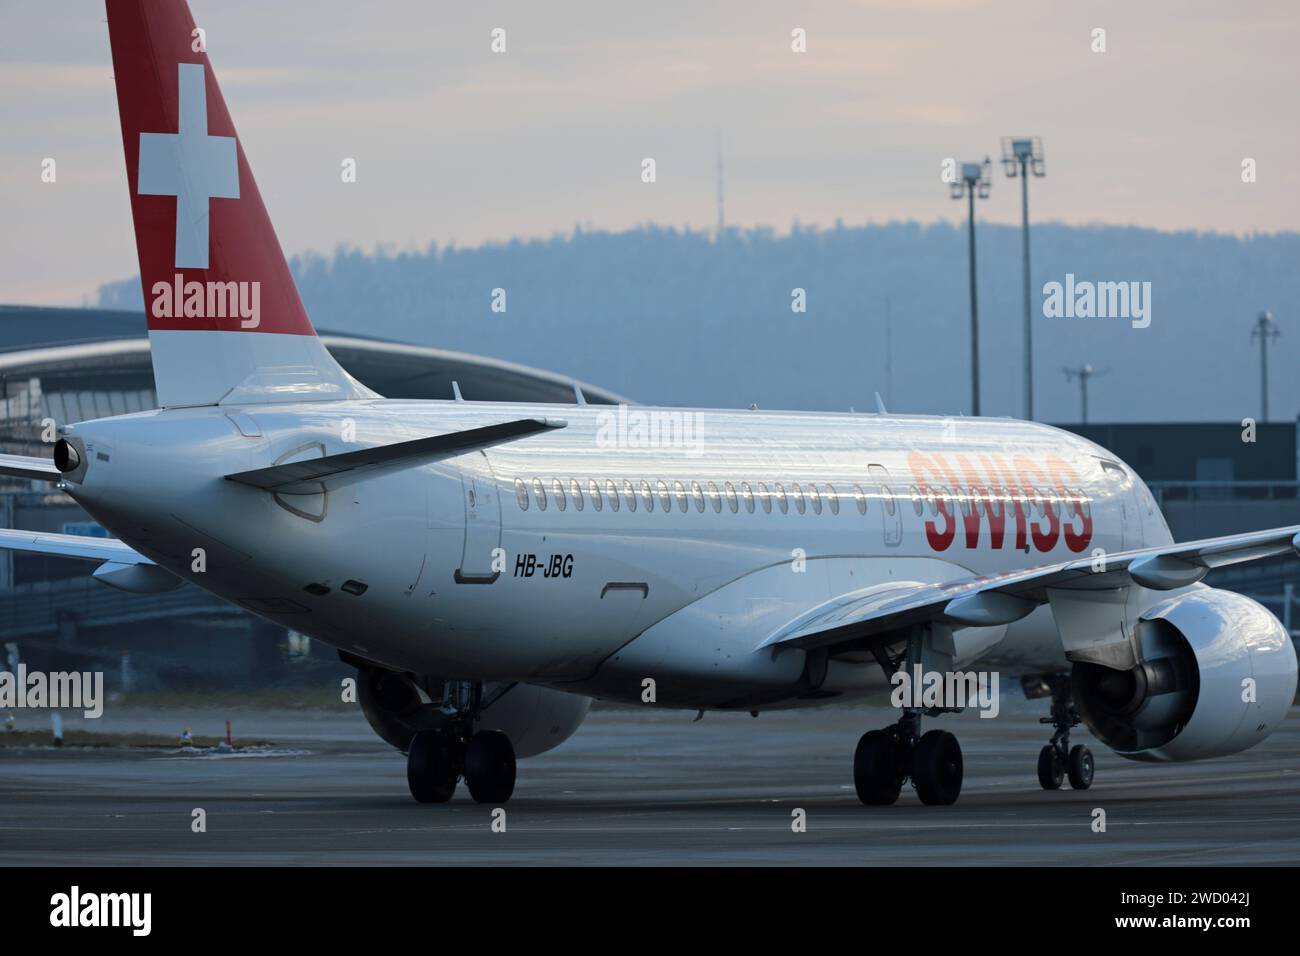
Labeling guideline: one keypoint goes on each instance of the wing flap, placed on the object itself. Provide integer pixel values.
(306, 477)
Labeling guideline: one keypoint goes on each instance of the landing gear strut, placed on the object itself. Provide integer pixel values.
(437, 758)
(886, 759)
(1058, 759)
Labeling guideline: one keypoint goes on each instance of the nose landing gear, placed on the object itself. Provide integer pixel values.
(1058, 760)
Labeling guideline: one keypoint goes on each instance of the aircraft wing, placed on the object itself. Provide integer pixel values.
(22, 466)
(305, 477)
(1004, 598)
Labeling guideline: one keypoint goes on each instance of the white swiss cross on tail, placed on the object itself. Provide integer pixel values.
(190, 165)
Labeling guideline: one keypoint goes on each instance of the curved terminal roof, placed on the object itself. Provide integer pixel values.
(96, 353)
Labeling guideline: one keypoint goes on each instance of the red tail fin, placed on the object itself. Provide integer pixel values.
(225, 319)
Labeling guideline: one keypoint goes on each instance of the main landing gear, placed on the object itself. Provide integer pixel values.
(436, 759)
(886, 759)
(1058, 759)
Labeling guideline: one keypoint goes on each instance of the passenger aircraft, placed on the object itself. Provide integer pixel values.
(489, 568)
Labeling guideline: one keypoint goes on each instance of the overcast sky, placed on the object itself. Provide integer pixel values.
(455, 143)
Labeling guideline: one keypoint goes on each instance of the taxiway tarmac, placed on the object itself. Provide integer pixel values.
(639, 787)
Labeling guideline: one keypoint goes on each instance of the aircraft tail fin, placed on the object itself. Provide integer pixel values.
(226, 323)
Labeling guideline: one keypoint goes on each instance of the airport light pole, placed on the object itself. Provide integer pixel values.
(1265, 329)
(1082, 373)
(1021, 157)
(975, 181)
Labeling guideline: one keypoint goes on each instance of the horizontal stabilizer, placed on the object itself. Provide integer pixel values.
(70, 546)
(123, 567)
(21, 466)
(306, 477)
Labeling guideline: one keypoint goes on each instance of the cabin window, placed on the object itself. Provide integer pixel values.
(593, 492)
(611, 492)
(698, 494)
(521, 494)
(732, 502)
(918, 503)
(575, 492)
(679, 492)
(781, 501)
(557, 492)
(833, 499)
(860, 497)
(629, 495)
(539, 492)
(814, 498)
(796, 492)
(665, 502)
(747, 495)
(647, 496)
(715, 498)
(765, 498)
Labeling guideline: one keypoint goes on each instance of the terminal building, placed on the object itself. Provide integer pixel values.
(67, 365)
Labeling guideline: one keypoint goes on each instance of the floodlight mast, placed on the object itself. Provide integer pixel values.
(1022, 156)
(1264, 330)
(1083, 373)
(976, 180)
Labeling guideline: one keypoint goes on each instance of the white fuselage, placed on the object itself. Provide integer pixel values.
(692, 536)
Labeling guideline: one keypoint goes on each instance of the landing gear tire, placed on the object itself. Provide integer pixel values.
(937, 768)
(1081, 767)
(490, 767)
(431, 767)
(875, 768)
(1051, 771)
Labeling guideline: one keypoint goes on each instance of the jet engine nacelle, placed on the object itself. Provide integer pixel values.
(1216, 675)
(536, 719)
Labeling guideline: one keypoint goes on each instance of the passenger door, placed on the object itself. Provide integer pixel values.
(890, 514)
(482, 520)
(1120, 492)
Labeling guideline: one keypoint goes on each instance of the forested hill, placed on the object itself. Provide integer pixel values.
(677, 317)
